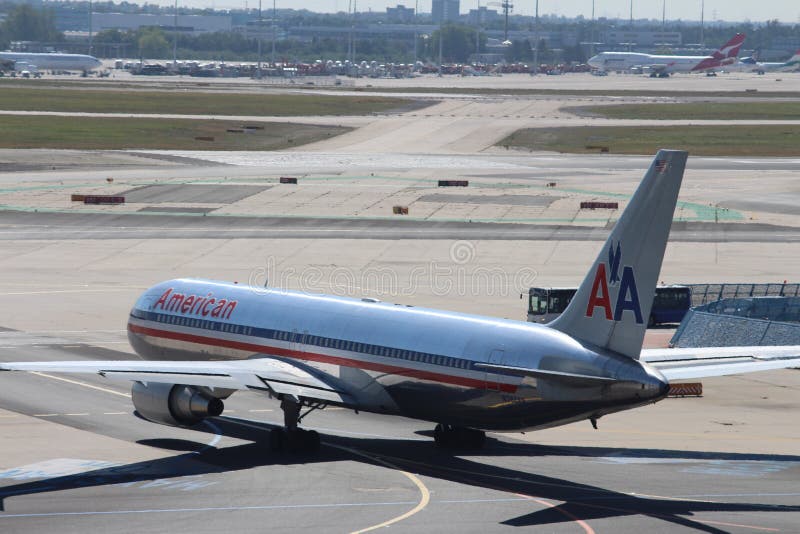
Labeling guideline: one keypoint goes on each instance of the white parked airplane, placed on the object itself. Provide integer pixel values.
(751, 64)
(51, 61)
(663, 65)
(203, 340)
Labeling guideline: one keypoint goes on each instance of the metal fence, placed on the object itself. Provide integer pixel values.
(705, 293)
(318, 81)
(784, 309)
(704, 329)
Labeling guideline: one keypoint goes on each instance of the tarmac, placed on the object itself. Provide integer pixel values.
(74, 458)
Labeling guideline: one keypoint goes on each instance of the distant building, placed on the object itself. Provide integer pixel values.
(445, 11)
(186, 23)
(400, 14)
(482, 15)
(641, 38)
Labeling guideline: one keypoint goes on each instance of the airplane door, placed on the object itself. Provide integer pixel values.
(497, 357)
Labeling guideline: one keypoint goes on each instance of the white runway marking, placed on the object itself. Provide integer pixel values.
(84, 384)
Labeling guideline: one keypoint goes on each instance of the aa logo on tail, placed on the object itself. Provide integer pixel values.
(607, 275)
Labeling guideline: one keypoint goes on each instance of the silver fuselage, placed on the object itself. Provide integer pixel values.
(394, 359)
(53, 61)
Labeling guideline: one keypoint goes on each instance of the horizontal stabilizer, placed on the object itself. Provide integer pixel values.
(683, 364)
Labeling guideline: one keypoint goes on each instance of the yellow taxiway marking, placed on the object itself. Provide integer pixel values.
(84, 384)
(425, 494)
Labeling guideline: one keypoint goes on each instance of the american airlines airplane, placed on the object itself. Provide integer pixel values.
(202, 340)
(663, 66)
(54, 61)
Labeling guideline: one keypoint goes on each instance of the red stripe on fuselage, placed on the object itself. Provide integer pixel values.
(322, 358)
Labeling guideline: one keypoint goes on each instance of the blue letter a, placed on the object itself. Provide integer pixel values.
(628, 285)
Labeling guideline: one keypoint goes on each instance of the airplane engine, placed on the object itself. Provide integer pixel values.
(175, 404)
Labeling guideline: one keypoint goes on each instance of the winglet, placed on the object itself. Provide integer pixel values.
(612, 305)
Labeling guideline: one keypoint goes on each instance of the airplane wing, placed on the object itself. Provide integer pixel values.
(681, 364)
(270, 374)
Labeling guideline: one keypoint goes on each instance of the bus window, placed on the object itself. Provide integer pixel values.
(538, 305)
(559, 300)
(546, 304)
(670, 305)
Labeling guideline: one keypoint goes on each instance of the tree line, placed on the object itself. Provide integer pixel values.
(26, 23)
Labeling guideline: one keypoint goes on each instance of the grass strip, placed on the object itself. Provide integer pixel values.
(762, 140)
(78, 99)
(695, 111)
(197, 86)
(84, 133)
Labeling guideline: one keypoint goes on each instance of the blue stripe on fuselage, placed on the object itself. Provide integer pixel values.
(308, 339)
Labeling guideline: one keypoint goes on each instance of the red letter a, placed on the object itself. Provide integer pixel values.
(602, 300)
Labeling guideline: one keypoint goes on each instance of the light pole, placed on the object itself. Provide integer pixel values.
(355, 9)
(702, 14)
(630, 44)
(416, 37)
(90, 27)
(441, 39)
(175, 38)
(591, 33)
(478, 33)
(536, 39)
(260, 25)
(274, 28)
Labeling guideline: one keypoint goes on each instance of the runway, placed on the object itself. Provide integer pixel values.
(20, 226)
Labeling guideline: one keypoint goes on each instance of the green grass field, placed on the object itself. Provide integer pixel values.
(165, 134)
(78, 99)
(757, 110)
(775, 140)
(192, 86)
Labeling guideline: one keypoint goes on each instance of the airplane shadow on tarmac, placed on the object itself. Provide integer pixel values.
(580, 501)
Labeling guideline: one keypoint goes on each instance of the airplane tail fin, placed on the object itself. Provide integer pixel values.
(793, 61)
(731, 48)
(612, 305)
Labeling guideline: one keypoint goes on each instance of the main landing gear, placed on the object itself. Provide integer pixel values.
(291, 438)
(456, 437)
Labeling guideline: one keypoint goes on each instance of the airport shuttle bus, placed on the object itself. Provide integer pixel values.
(669, 306)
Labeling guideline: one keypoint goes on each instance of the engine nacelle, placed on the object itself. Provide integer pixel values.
(174, 404)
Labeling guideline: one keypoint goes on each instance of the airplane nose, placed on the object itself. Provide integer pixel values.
(595, 62)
